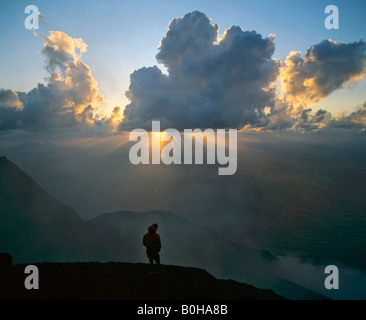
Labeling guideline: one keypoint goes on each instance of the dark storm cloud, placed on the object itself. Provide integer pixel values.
(229, 81)
(310, 121)
(325, 67)
(213, 81)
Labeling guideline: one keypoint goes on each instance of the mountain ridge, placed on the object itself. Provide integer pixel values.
(128, 281)
(36, 227)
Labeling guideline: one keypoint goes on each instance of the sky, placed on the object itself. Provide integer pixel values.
(122, 37)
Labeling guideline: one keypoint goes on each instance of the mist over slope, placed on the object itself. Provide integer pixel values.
(36, 227)
(298, 194)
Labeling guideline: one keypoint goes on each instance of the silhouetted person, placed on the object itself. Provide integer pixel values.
(152, 243)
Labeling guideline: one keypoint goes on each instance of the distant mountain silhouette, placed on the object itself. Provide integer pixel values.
(34, 227)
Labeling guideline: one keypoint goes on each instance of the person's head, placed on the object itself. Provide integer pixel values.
(156, 226)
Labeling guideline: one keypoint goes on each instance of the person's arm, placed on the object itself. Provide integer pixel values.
(158, 242)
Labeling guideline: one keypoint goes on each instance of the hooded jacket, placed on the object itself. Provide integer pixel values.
(152, 241)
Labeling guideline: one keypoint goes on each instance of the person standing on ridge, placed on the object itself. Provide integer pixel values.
(152, 242)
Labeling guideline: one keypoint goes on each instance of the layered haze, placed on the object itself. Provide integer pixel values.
(307, 208)
(271, 202)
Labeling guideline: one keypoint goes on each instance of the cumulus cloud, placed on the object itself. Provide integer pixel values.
(356, 119)
(231, 80)
(68, 100)
(305, 119)
(213, 81)
(312, 121)
(10, 99)
(10, 107)
(325, 67)
(61, 50)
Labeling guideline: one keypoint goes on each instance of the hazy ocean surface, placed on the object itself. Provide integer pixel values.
(299, 196)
